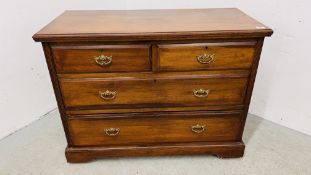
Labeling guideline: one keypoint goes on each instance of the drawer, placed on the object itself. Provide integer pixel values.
(101, 58)
(161, 128)
(153, 91)
(206, 56)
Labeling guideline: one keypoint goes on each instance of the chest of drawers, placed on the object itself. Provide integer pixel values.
(153, 82)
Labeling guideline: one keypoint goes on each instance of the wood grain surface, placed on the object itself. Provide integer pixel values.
(164, 92)
(219, 149)
(182, 57)
(150, 24)
(81, 59)
(159, 128)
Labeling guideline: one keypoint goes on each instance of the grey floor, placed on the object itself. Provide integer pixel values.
(270, 149)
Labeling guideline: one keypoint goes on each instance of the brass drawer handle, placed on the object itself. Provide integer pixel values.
(201, 93)
(103, 60)
(205, 58)
(112, 131)
(198, 128)
(108, 95)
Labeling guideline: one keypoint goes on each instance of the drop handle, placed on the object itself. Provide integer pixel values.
(112, 131)
(103, 60)
(108, 95)
(205, 58)
(201, 93)
(198, 128)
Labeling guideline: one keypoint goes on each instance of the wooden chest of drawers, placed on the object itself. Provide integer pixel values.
(153, 82)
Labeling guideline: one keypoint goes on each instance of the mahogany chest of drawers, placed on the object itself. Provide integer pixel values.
(153, 82)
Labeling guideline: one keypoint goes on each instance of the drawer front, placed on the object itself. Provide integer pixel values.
(164, 128)
(133, 92)
(206, 56)
(105, 58)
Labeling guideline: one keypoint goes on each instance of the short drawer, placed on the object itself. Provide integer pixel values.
(161, 128)
(205, 56)
(101, 58)
(153, 91)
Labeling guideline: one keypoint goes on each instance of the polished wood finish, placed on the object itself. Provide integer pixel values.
(228, 74)
(55, 83)
(81, 59)
(151, 107)
(134, 25)
(219, 149)
(184, 57)
(251, 82)
(157, 128)
(169, 91)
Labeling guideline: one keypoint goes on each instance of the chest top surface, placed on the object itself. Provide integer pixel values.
(148, 24)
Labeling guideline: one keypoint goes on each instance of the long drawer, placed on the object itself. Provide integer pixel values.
(101, 58)
(206, 56)
(161, 128)
(145, 91)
